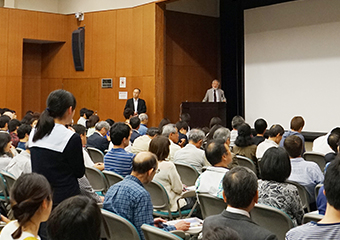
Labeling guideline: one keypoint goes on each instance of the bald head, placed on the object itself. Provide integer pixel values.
(143, 162)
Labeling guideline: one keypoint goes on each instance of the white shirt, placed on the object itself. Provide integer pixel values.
(233, 136)
(82, 121)
(135, 103)
(20, 164)
(173, 149)
(263, 146)
(320, 144)
(11, 227)
(238, 211)
(141, 144)
(87, 159)
(191, 155)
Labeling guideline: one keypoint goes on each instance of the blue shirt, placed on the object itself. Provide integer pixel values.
(22, 145)
(142, 129)
(290, 133)
(130, 200)
(119, 161)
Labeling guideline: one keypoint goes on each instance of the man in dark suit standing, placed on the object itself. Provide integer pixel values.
(138, 105)
(240, 192)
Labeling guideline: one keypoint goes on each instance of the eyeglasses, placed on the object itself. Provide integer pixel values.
(157, 170)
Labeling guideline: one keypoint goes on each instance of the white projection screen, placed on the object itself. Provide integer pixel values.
(292, 63)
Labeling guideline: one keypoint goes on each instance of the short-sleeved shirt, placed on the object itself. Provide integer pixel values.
(130, 200)
(11, 227)
(313, 230)
(119, 161)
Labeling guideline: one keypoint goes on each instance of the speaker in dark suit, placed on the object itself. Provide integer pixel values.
(130, 103)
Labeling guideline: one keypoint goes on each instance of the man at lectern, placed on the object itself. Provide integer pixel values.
(214, 94)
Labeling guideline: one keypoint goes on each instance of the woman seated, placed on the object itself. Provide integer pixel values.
(90, 125)
(275, 168)
(5, 149)
(244, 145)
(167, 175)
(31, 202)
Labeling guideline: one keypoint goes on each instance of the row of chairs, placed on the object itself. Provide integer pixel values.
(268, 217)
(101, 180)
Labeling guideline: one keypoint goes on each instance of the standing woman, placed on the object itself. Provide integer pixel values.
(56, 152)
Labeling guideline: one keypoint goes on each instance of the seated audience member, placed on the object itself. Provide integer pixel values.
(275, 168)
(20, 164)
(34, 120)
(224, 134)
(321, 201)
(90, 125)
(31, 201)
(186, 118)
(163, 122)
(128, 113)
(215, 123)
(219, 156)
(82, 120)
(306, 173)
(81, 130)
(117, 159)
(221, 233)
(13, 131)
(320, 144)
(76, 218)
(235, 123)
(134, 123)
(129, 199)
(240, 193)
(110, 121)
(23, 134)
(296, 125)
(182, 131)
(275, 135)
(244, 144)
(27, 118)
(4, 121)
(5, 150)
(260, 126)
(167, 174)
(329, 227)
(170, 131)
(97, 139)
(192, 154)
(143, 117)
(141, 144)
(333, 140)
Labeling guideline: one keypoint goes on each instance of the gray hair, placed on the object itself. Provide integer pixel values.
(237, 121)
(102, 124)
(143, 117)
(222, 133)
(195, 135)
(169, 128)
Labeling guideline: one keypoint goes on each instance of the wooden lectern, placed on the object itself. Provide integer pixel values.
(202, 112)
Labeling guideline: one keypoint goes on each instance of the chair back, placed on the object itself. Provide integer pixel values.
(246, 162)
(159, 196)
(272, 219)
(317, 189)
(154, 233)
(187, 173)
(116, 227)
(112, 177)
(95, 154)
(210, 205)
(318, 158)
(9, 179)
(312, 216)
(96, 179)
(303, 195)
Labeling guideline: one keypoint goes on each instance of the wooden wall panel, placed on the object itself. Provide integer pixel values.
(104, 44)
(51, 26)
(150, 24)
(52, 60)
(48, 85)
(3, 84)
(3, 41)
(13, 99)
(191, 59)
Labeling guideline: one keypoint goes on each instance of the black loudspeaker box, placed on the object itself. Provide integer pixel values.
(78, 42)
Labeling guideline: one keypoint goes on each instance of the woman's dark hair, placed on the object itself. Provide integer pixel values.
(5, 138)
(75, 218)
(57, 104)
(110, 121)
(28, 193)
(215, 121)
(244, 136)
(23, 130)
(92, 121)
(160, 146)
(13, 125)
(275, 165)
(27, 118)
(164, 121)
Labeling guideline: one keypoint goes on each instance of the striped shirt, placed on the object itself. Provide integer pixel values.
(313, 230)
(119, 161)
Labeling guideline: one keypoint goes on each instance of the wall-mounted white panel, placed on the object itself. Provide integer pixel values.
(292, 57)
(37, 5)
